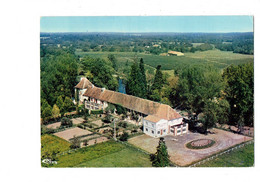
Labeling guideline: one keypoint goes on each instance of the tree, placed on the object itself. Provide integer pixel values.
(133, 86)
(143, 81)
(113, 60)
(68, 104)
(158, 79)
(75, 142)
(47, 113)
(197, 85)
(161, 157)
(124, 137)
(240, 93)
(66, 122)
(55, 111)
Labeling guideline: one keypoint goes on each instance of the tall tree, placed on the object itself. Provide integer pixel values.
(161, 157)
(55, 111)
(113, 60)
(158, 79)
(68, 104)
(133, 85)
(143, 81)
(240, 93)
(60, 105)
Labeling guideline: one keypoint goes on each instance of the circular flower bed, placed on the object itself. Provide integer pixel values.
(200, 144)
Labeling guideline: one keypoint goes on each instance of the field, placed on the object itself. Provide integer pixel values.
(217, 58)
(52, 143)
(243, 157)
(108, 154)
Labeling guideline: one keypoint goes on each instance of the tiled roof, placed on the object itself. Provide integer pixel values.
(84, 83)
(137, 104)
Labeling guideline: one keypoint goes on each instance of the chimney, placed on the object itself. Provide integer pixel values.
(103, 89)
(92, 86)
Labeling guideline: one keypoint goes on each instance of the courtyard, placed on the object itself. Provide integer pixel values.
(180, 154)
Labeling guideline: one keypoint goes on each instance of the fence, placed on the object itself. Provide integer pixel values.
(224, 152)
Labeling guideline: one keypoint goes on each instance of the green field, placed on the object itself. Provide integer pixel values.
(217, 58)
(243, 157)
(107, 154)
(51, 143)
(124, 158)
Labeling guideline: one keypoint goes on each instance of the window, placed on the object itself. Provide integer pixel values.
(153, 125)
(158, 132)
(146, 129)
(184, 129)
(146, 123)
(152, 132)
(179, 126)
(164, 131)
(184, 124)
(178, 131)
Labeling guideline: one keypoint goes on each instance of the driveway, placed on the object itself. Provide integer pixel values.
(183, 156)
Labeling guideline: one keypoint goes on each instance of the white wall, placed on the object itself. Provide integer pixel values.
(154, 129)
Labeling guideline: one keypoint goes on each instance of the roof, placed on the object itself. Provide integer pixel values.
(175, 52)
(137, 104)
(84, 83)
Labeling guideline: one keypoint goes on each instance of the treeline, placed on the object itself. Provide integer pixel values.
(208, 95)
(154, 43)
(59, 69)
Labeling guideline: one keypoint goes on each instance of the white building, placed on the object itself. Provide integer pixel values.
(158, 119)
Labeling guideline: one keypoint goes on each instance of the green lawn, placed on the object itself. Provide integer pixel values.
(124, 158)
(243, 157)
(51, 143)
(105, 155)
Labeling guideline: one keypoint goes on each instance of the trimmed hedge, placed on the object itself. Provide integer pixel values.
(97, 111)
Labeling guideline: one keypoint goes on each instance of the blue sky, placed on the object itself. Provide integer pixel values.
(147, 24)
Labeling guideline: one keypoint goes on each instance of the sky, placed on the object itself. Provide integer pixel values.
(147, 24)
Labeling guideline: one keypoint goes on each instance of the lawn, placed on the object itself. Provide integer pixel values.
(105, 155)
(125, 158)
(51, 143)
(243, 157)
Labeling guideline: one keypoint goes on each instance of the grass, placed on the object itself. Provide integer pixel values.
(217, 58)
(51, 143)
(243, 157)
(124, 158)
(107, 154)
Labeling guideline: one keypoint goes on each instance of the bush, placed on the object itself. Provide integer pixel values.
(75, 142)
(124, 137)
(66, 122)
(97, 111)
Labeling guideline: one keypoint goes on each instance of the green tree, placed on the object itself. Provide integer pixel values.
(47, 113)
(75, 142)
(133, 85)
(124, 137)
(113, 60)
(66, 122)
(55, 111)
(60, 105)
(143, 81)
(158, 79)
(68, 104)
(161, 157)
(240, 93)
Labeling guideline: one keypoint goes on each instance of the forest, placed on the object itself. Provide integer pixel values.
(208, 94)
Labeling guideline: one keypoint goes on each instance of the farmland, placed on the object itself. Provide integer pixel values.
(217, 58)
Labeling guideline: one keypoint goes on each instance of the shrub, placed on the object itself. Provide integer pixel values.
(124, 137)
(97, 111)
(66, 122)
(75, 142)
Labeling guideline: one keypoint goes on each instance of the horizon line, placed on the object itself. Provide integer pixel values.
(150, 32)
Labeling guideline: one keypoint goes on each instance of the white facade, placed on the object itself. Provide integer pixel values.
(163, 127)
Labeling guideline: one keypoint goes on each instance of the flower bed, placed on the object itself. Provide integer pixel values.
(200, 144)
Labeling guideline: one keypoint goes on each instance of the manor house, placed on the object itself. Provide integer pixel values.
(158, 119)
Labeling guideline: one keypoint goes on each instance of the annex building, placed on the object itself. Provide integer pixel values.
(158, 119)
